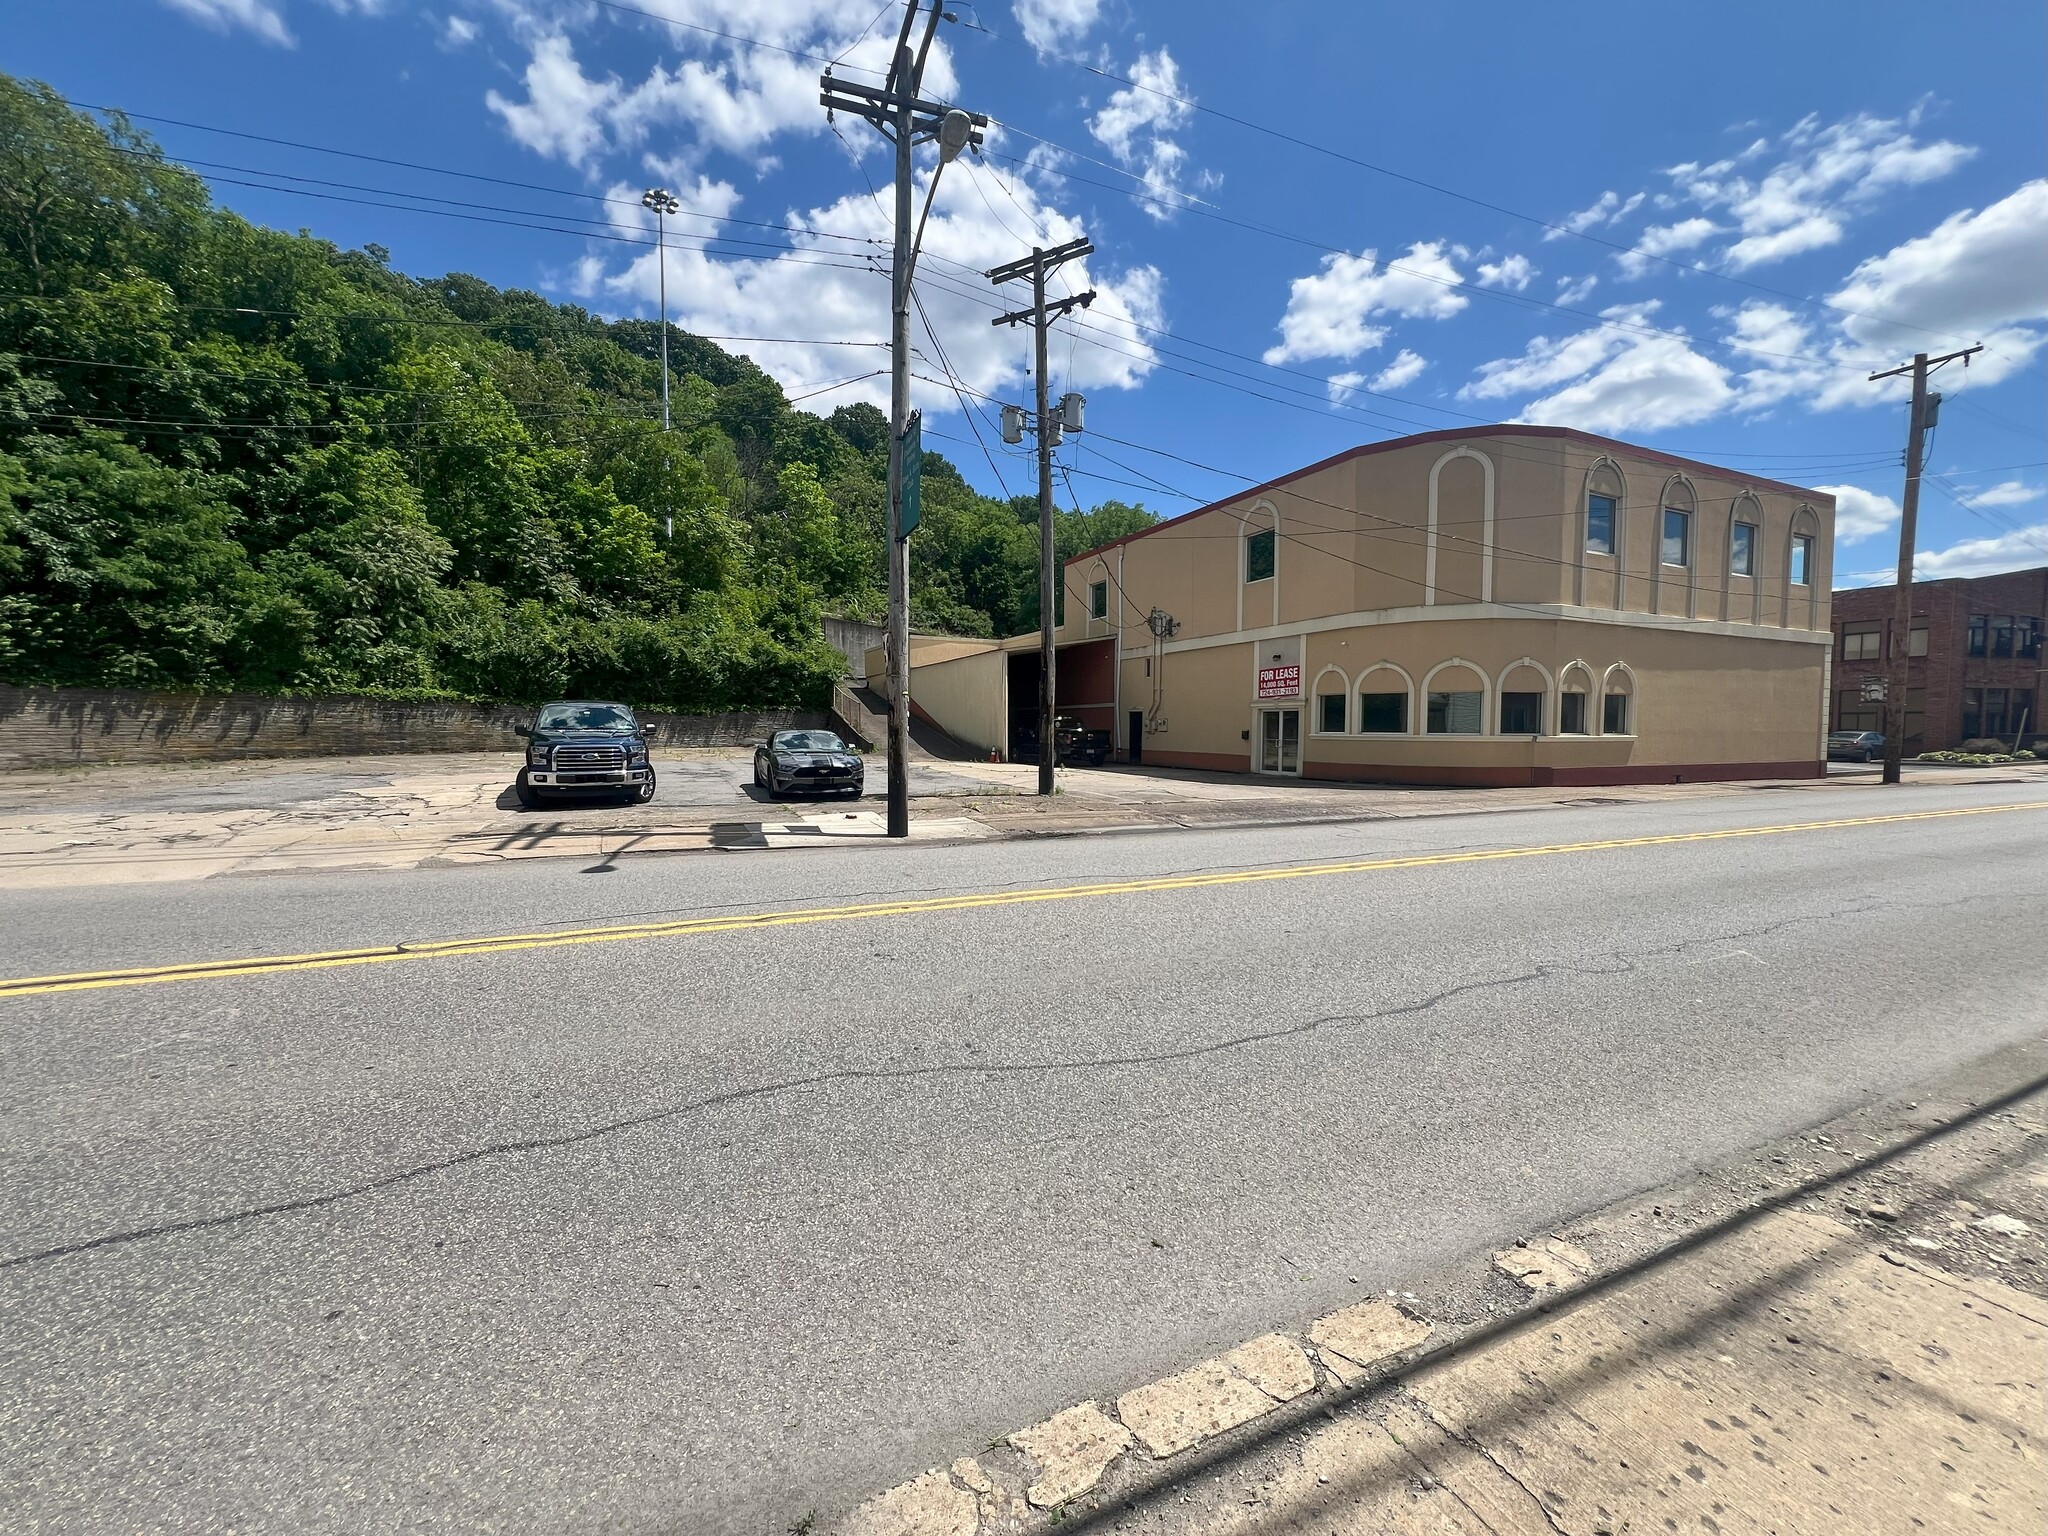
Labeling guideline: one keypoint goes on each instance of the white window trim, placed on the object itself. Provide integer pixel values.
(1590, 692)
(1623, 669)
(1408, 714)
(1486, 527)
(1486, 697)
(1546, 713)
(1315, 702)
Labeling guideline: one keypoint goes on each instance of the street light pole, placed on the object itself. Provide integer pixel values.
(663, 203)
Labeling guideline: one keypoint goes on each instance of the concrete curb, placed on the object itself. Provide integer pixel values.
(1102, 1454)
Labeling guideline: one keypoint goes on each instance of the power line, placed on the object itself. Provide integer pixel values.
(435, 170)
(1325, 403)
(1417, 181)
(791, 252)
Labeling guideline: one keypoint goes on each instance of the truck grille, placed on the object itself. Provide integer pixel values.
(590, 757)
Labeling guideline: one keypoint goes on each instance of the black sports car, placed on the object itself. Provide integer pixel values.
(579, 746)
(816, 762)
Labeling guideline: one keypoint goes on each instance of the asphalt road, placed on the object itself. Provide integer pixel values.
(703, 1231)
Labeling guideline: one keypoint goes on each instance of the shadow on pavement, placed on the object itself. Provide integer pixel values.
(1174, 1479)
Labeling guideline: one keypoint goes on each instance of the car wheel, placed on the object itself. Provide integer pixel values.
(642, 792)
(769, 787)
(757, 771)
(529, 797)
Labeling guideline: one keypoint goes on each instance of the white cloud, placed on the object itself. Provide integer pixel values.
(1984, 557)
(1574, 291)
(1511, 272)
(1134, 125)
(1662, 240)
(1807, 234)
(1860, 514)
(1978, 275)
(2007, 493)
(1825, 175)
(1613, 380)
(1049, 23)
(1605, 209)
(459, 31)
(718, 95)
(819, 291)
(1406, 368)
(564, 113)
(263, 17)
(1328, 311)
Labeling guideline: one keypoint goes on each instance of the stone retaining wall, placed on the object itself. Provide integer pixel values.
(59, 727)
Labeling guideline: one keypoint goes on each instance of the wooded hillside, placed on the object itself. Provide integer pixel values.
(235, 458)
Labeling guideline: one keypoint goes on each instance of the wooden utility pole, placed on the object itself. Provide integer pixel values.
(1048, 428)
(905, 119)
(1909, 516)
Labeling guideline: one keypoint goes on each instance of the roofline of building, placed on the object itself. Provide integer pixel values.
(1452, 435)
(1943, 581)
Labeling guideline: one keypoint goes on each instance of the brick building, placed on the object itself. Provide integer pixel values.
(1974, 659)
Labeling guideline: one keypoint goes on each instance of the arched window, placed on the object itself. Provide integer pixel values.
(1454, 699)
(1745, 553)
(1618, 701)
(1677, 538)
(1803, 575)
(1604, 524)
(1332, 695)
(1675, 535)
(1258, 566)
(1603, 508)
(1574, 689)
(1385, 700)
(1523, 690)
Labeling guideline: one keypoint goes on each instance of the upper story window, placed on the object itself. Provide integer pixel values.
(1742, 549)
(1098, 599)
(2001, 636)
(1802, 560)
(1862, 642)
(2026, 637)
(1599, 524)
(1677, 549)
(1258, 555)
(1916, 638)
(1980, 625)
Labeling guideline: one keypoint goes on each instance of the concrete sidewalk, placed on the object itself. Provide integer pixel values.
(1845, 1333)
(125, 824)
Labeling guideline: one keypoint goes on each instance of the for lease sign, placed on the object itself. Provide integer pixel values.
(1279, 682)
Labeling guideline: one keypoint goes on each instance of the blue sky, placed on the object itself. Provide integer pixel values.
(1316, 225)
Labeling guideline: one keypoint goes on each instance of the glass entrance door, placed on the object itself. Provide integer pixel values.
(1279, 741)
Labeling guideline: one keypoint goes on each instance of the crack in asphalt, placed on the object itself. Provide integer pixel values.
(791, 1085)
(1622, 965)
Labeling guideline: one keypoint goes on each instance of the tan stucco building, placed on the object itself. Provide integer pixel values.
(1500, 605)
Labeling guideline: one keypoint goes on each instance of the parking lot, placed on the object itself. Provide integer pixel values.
(126, 823)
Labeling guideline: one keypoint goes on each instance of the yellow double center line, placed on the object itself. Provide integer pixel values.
(269, 965)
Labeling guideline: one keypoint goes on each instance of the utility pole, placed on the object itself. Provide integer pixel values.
(1048, 428)
(662, 202)
(1909, 515)
(905, 119)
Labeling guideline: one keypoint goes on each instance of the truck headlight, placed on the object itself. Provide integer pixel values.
(536, 757)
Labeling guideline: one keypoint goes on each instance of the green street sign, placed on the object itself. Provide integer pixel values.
(913, 477)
